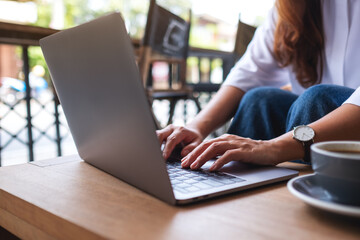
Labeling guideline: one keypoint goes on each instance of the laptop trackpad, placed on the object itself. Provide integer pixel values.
(248, 171)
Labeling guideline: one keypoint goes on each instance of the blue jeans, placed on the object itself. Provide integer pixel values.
(265, 112)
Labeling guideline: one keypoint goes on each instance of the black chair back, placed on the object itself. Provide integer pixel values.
(166, 33)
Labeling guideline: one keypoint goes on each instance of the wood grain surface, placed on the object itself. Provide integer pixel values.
(66, 198)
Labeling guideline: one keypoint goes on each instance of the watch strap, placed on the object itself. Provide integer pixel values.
(307, 145)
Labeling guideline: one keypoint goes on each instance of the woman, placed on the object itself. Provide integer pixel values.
(314, 46)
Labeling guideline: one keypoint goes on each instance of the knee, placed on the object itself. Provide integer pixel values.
(322, 95)
(317, 93)
(267, 97)
(312, 101)
(316, 102)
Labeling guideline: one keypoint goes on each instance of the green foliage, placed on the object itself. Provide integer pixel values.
(44, 15)
(79, 11)
(36, 57)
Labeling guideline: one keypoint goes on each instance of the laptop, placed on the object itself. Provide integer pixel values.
(99, 86)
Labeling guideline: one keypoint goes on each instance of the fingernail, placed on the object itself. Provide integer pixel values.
(194, 165)
(213, 167)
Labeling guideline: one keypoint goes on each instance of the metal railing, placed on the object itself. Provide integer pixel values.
(205, 86)
(25, 36)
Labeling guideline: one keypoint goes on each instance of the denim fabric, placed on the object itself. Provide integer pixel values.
(316, 102)
(266, 112)
(262, 113)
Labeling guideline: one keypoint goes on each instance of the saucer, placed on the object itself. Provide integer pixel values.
(307, 189)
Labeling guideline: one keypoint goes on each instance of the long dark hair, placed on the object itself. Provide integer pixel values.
(299, 39)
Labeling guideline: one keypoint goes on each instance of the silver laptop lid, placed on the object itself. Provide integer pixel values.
(98, 83)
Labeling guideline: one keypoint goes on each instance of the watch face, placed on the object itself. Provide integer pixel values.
(304, 133)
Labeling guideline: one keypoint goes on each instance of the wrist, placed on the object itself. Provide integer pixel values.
(286, 148)
(199, 128)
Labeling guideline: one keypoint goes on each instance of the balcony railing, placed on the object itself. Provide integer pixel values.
(25, 36)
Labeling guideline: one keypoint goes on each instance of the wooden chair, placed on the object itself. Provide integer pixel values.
(166, 40)
(244, 35)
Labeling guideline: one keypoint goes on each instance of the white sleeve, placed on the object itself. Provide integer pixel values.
(354, 98)
(258, 66)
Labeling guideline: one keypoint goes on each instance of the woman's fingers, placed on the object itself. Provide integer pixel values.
(215, 149)
(189, 148)
(229, 156)
(230, 148)
(171, 136)
(190, 158)
(189, 139)
(164, 133)
(176, 137)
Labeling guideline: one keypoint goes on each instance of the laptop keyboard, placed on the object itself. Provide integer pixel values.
(189, 181)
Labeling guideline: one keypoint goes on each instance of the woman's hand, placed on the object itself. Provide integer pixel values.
(232, 148)
(217, 112)
(189, 137)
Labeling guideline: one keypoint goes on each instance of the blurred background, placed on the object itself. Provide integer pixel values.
(213, 27)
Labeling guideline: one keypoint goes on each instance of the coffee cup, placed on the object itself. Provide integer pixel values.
(337, 170)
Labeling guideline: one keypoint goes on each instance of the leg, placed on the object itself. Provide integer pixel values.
(262, 113)
(316, 102)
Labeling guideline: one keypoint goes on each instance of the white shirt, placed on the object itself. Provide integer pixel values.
(341, 19)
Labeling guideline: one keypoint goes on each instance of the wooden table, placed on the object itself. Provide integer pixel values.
(20, 34)
(65, 198)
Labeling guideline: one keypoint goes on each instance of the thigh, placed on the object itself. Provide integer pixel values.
(316, 102)
(262, 113)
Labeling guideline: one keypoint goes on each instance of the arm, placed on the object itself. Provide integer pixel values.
(219, 110)
(341, 124)
(257, 67)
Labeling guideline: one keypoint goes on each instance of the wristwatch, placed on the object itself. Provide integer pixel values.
(305, 135)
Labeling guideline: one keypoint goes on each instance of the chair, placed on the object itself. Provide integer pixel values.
(244, 35)
(166, 40)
